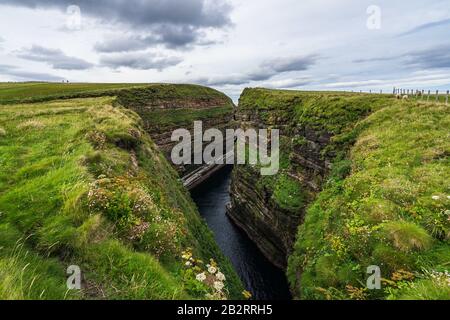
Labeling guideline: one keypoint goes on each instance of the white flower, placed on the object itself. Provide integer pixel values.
(220, 276)
(218, 285)
(448, 197)
(201, 277)
(435, 197)
(188, 264)
(212, 270)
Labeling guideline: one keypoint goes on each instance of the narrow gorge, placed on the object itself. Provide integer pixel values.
(87, 180)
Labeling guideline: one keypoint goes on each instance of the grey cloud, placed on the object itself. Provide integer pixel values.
(426, 26)
(171, 36)
(22, 75)
(139, 61)
(378, 59)
(433, 58)
(291, 64)
(140, 13)
(174, 23)
(54, 57)
(267, 70)
(124, 44)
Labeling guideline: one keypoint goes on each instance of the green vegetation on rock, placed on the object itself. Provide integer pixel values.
(32, 92)
(165, 107)
(369, 173)
(392, 211)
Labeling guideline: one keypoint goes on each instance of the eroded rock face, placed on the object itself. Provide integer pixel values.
(165, 108)
(269, 226)
(254, 208)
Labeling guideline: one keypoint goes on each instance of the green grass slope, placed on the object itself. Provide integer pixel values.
(29, 92)
(386, 203)
(82, 184)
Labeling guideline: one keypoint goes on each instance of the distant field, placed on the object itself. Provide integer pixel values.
(11, 93)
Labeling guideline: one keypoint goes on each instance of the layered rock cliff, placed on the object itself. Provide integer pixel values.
(270, 209)
(362, 185)
(166, 107)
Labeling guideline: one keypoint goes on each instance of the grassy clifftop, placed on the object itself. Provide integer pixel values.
(32, 92)
(391, 211)
(381, 169)
(164, 107)
(158, 94)
(82, 184)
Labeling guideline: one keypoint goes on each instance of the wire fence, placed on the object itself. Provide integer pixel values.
(421, 95)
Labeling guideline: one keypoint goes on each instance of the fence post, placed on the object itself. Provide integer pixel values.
(381, 91)
(423, 93)
(437, 95)
(446, 98)
(428, 96)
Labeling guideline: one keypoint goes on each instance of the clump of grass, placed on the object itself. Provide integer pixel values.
(2, 132)
(31, 124)
(25, 275)
(426, 290)
(407, 236)
(288, 193)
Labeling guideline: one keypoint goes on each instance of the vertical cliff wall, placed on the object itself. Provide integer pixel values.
(364, 178)
(315, 129)
(166, 107)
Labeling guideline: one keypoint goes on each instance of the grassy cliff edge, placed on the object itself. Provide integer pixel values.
(82, 184)
(366, 177)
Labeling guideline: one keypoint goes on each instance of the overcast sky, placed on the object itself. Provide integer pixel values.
(230, 44)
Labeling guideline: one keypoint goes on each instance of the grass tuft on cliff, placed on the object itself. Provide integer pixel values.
(82, 184)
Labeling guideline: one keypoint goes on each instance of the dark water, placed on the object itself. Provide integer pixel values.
(260, 277)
